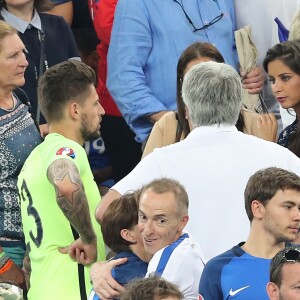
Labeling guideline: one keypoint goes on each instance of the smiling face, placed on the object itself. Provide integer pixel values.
(281, 216)
(13, 62)
(160, 222)
(285, 85)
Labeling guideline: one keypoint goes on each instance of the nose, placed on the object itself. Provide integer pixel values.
(276, 87)
(23, 61)
(296, 214)
(101, 109)
(148, 228)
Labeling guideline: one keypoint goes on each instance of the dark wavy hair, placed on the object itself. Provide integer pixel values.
(289, 54)
(194, 51)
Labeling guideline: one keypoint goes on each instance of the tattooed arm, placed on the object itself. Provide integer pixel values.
(71, 199)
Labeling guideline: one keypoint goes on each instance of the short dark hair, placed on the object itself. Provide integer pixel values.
(120, 214)
(278, 262)
(69, 80)
(165, 185)
(264, 184)
(151, 288)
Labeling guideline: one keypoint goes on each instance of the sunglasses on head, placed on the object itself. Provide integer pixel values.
(289, 256)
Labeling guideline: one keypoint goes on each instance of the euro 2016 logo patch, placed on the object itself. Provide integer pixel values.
(66, 151)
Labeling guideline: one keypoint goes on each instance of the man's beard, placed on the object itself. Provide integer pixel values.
(85, 131)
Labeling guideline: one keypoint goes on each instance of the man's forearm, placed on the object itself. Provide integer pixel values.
(71, 197)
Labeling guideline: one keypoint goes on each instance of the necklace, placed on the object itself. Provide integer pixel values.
(13, 105)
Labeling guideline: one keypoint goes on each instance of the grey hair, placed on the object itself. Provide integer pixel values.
(212, 93)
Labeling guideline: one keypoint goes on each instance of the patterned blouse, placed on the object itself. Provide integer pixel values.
(286, 133)
(18, 137)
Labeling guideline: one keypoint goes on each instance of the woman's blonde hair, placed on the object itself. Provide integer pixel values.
(5, 30)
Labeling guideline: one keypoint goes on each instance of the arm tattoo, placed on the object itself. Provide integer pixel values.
(71, 197)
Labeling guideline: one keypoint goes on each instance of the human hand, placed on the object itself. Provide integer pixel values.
(267, 127)
(81, 252)
(253, 81)
(104, 284)
(13, 275)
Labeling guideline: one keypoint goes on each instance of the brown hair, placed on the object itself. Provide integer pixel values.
(120, 214)
(151, 288)
(264, 184)
(69, 80)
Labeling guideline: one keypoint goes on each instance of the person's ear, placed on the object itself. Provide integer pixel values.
(73, 109)
(272, 291)
(257, 209)
(183, 222)
(127, 235)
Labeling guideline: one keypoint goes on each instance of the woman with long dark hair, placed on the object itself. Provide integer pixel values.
(282, 63)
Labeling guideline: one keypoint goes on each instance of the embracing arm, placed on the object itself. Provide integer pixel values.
(71, 198)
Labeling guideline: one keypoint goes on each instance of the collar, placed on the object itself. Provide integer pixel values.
(217, 128)
(20, 24)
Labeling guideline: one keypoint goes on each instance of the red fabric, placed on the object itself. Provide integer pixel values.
(102, 12)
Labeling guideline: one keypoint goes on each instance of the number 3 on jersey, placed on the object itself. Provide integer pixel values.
(31, 211)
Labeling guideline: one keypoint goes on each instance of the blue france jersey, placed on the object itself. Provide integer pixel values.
(235, 275)
(132, 269)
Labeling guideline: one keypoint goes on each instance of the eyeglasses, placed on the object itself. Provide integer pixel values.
(289, 256)
(212, 22)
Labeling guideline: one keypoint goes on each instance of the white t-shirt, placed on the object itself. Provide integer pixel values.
(183, 267)
(214, 164)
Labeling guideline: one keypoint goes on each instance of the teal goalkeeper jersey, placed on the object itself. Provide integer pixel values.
(46, 229)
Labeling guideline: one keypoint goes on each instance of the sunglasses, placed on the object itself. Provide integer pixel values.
(213, 21)
(289, 256)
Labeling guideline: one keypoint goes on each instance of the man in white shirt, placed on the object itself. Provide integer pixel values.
(214, 162)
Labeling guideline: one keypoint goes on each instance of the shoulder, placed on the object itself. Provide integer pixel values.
(50, 18)
(217, 263)
(50, 22)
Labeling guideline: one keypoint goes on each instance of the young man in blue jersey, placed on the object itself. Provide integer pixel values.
(285, 275)
(272, 201)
